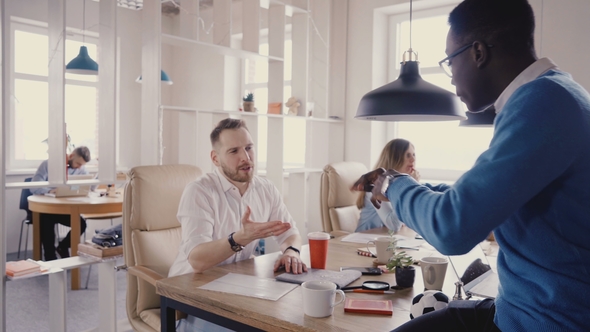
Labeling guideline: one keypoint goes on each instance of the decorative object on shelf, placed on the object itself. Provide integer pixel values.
(248, 103)
(83, 63)
(410, 98)
(309, 108)
(293, 105)
(164, 78)
(275, 108)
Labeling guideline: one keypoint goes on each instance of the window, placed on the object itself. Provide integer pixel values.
(443, 149)
(294, 128)
(29, 112)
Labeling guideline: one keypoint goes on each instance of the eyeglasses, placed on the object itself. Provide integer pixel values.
(445, 64)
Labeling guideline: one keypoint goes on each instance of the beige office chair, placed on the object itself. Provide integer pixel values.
(337, 203)
(151, 236)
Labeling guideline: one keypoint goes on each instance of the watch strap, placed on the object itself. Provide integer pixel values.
(292, 248)
(234, 245)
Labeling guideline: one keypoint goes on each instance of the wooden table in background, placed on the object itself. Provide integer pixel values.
(253, 314)
(74, 206)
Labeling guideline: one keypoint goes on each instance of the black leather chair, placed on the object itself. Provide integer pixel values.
(24, 205)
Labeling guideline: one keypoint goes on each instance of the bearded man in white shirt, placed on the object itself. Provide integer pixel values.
(223, 214)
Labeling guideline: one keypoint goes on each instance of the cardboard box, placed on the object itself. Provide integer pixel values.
(99, 251)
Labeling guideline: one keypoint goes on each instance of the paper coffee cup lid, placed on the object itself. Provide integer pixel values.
(318, 236)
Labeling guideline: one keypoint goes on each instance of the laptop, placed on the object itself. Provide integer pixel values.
(474, 270)
(73, 190)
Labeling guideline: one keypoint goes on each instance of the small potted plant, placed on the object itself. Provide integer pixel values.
(248, 102)
(401, 263)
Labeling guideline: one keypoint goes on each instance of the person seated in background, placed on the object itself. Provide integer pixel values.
(398, 154)
(75, 162)
(225, 213)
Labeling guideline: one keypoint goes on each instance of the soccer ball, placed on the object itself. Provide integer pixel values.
(428, 301)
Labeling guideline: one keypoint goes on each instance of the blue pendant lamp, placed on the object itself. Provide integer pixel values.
(83, 63)
(410, 98)
(163, 77)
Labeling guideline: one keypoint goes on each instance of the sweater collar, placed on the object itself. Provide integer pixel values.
(533, 71)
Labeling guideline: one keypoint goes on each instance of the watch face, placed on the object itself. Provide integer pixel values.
(236, 248)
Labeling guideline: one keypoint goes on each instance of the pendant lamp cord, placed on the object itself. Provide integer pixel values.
(410, 26)
(84, 21)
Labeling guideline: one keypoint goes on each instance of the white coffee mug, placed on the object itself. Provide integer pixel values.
(383, 254)
(434, 270)
(319, 297)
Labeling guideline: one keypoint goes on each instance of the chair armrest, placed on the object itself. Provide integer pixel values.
(145, 274)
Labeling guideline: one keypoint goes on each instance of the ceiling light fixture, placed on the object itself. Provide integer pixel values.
(163, 77)
(410, 98)
(83, 63)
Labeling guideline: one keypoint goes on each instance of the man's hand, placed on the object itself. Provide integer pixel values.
(376, 182)
(292, 263)
(252, 230)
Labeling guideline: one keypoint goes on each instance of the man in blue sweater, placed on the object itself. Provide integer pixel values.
(531, 187)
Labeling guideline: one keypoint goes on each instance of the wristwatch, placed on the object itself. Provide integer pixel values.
(234, 245)
(292, 248)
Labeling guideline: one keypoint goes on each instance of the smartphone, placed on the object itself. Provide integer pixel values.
(373, 271)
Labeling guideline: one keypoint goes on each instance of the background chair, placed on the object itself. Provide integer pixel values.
(24, 205)
(151, 236)
(340, 215)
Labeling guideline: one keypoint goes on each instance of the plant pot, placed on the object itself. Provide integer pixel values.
(249, 106)
(404, 276)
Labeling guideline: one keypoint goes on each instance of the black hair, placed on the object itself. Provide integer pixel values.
(83, 152)
(510, 24)
(223, 125)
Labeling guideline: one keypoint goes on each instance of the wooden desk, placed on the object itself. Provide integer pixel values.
(74, 206)
(243, 313)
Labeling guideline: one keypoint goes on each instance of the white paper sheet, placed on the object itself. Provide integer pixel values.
(262, 288)
(360, 237)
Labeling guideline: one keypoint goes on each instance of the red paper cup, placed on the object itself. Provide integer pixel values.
(318, 249)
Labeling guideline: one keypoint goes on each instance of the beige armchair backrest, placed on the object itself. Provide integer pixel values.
(338, 204)
(151, 234)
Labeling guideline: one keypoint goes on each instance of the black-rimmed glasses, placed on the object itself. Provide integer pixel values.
(445, 64)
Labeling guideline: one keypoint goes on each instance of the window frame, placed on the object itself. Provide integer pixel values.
(30, 26)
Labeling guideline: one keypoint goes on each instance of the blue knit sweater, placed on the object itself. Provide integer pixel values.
(532, 187)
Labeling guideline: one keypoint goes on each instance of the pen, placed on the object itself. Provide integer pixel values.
(371, 291)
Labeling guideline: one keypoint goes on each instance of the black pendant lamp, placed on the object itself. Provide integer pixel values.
(480, 119)
(410, 98)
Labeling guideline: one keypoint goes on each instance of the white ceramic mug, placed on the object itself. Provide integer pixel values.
(319, 297)
(434, 270)
(383, 254)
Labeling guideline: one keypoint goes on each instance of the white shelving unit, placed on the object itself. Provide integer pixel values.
(185, 121)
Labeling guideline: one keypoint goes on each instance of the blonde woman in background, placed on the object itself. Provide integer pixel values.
(398, 154)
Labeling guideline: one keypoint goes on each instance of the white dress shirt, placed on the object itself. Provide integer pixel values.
(211, 208)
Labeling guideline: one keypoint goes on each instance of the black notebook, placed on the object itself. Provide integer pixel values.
(340, 278)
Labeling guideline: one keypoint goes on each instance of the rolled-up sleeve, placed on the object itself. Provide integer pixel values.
(196, 216)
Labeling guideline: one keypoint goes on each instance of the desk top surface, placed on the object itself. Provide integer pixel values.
(79, 200)
(286, 314)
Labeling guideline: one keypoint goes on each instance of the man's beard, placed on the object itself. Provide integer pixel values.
(235, 175)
